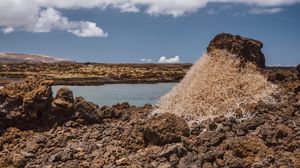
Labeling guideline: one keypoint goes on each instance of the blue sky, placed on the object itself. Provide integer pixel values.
(118, 34)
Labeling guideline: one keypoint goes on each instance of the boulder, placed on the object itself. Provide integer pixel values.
(245, 48)
(87, 111)
(29, 100)
(63, 103)
(164, 129)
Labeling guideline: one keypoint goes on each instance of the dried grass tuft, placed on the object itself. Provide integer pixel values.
(216, 85)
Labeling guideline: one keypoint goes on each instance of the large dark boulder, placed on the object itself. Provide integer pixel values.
(245, 48)
(87, 111)
(164, 129)
(63, 104)
(26, 101)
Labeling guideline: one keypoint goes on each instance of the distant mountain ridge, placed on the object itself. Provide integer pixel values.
(10, 57)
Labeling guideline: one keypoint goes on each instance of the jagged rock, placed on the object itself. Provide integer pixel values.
(63, 104)
(164, 129)
(86, 110)
(121, 106)
(29, 100)
(175, 149)
(250, 148)
(246, 48)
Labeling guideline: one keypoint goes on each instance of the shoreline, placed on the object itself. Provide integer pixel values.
(90, 74)
(79, 83)
(147, 73)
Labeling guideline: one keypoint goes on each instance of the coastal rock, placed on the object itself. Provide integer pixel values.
(86, 110)
(63, 103)
(245, 48)
(29, 100)
(164, 129)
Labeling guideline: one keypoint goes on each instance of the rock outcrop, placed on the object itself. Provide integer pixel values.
(245, 48)
(87, 111)
(165, 128)
(26, 102)
(63, 105)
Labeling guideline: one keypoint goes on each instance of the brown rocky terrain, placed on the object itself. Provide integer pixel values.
(93, 73)
(42, 130)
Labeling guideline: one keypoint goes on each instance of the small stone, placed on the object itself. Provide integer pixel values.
(122, 162)
(176, 149)
(165, 165)
(207, 165)
(55, 158)
(18, 160)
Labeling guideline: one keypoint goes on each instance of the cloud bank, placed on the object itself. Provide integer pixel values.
(44, 15)
(164, 60)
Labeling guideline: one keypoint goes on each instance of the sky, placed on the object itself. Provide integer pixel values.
(147, 31)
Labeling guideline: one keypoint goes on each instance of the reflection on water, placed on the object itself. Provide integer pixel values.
(135, 94)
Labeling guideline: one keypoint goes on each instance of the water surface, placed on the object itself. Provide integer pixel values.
(135, 94)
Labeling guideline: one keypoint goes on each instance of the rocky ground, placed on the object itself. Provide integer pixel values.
(39, 130)
(93, 73)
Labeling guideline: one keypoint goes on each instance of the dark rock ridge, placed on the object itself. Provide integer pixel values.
(245, 48)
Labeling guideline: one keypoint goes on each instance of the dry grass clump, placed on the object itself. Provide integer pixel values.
(216, 85)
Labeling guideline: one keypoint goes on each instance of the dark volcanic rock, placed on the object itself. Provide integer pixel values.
(246, 48)
(27, 101)
(87, 111)
(63, 104)
(164, 129)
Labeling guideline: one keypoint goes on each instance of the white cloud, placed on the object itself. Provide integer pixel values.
(171, 60)
(43, 15)
(87, 29)
(42, 20)
(7, 30)
(265, 10)
(51, 19)
(147, 60)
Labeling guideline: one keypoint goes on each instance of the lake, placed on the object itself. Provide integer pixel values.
(134, 94)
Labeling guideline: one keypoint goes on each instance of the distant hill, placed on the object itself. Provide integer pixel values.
(9, 57)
